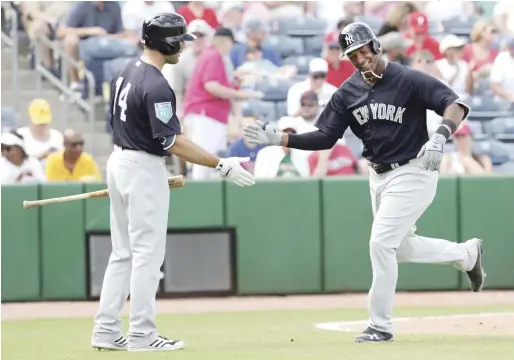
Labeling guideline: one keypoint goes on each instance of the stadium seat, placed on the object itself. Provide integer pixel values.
(487, 108)
(265, 109)
(500, 128)
(460, 26)
(505, 168)
(285, 45)
(8, 118)
(375, 23)
(483, 88)
(301, 63)
(298, 26)
(353, 143)
(476, 128)
(314, 45)
(274, 89)
(496, 150)
(281, 109)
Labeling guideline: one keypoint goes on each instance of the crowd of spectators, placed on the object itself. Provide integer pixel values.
(281, 62)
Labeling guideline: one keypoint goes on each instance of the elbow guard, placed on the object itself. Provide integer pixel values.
(167, 141)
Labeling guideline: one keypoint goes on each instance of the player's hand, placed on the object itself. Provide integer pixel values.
(432, 152)
(262, 134)
(231, 168)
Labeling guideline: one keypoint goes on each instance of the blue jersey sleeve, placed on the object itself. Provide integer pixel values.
(433, 93)
(161, 106)
(335, 118)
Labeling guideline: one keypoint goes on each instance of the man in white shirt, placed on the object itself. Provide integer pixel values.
(502, 76)
(316, 81)
(17, 166)
(40, 139)
(135, 12)
(454, 71)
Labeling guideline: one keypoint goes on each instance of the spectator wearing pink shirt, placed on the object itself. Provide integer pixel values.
(208, 99)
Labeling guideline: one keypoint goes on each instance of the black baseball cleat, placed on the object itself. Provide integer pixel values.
(477, 275)
(372, 335)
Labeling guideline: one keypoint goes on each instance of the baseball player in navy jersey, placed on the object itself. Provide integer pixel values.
(145, 131)
(385, 105)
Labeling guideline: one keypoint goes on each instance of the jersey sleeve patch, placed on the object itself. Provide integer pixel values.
(163, 111)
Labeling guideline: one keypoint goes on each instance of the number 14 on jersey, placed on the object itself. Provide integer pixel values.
(122, 101)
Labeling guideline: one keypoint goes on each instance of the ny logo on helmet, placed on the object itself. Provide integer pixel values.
(349, 39)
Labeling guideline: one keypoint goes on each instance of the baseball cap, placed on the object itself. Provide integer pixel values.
(463, 129)
(199, 26)
(393, 40)
(40, 112)
(287, 122)
(225, 32)
(12, 140)
(450, 41)
(318, 65)
(309, 96)
(232, 5)
(418, 22)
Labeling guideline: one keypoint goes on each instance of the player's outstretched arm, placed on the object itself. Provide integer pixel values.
(263, 134)
(230, 168)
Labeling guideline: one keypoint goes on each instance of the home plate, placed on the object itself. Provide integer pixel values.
(499, 324)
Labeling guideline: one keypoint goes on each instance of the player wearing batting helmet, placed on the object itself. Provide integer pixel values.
(385, 105)
(145, 131)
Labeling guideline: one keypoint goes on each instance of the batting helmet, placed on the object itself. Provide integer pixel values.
(355, 36)
(164, 32)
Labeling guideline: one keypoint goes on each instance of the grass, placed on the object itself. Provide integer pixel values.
(257, 335)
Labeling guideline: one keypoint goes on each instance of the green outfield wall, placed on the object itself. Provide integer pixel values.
(292, 236)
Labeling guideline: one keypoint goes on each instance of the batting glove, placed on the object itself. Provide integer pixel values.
(432, 152)
(231, 168)
(262, 134)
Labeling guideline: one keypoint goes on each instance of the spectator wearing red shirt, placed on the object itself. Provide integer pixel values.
(208, 99)
(480, 53)
(196, 10)
(338, 69)
(338, 161)
(418, 34)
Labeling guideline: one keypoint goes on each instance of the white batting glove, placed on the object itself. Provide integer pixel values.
(262, 134)
(231, 168)
(432, 152)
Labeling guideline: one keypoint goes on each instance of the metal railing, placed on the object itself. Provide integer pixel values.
(61, 84)
(13, 42)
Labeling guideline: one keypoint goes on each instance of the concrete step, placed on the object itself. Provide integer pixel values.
(26, 79)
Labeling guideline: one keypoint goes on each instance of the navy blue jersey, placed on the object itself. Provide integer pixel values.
(390, 117)
(142, 108)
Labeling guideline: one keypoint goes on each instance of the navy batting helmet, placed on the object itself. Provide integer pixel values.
(355, 36)
(164, 32)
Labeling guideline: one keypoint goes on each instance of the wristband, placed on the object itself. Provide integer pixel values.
(447, 128)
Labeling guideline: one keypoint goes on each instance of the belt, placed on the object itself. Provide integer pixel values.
(383, 168)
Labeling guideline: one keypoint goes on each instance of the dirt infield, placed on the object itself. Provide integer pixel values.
(480, 324)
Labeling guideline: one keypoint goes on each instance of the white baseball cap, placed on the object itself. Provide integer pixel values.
(450, 41)
(12, 140)
(287, 122)
(318, 65)
(199, 26)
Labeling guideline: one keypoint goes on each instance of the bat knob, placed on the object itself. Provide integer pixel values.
(26, 204)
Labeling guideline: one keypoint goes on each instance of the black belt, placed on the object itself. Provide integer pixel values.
(383, 168)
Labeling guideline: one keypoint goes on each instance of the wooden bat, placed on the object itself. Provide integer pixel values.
(173, 182)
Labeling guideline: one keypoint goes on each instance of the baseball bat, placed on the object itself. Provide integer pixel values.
(173, 182)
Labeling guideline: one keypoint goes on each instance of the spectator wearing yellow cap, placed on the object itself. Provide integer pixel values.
(17, 166)
(40, 139)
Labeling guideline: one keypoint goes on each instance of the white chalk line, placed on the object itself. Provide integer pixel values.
(346, 326)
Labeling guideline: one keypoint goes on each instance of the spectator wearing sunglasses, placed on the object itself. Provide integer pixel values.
(316, 81)
(17, 166)
(72, 163)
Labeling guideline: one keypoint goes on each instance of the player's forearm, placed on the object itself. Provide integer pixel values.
(314, 140)
(193, 153)
(452, 117)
